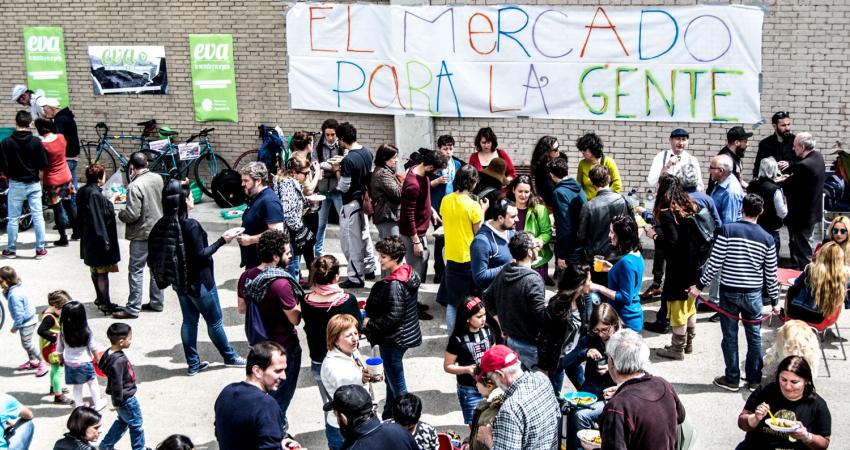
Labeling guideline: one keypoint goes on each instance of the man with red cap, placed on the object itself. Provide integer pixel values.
(530, 415)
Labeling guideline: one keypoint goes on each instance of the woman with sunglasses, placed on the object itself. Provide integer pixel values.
(470, 338)
(838, 233)
(291, 184)
(532, 216)
(767, 187)
(819, 291)
(590, 147)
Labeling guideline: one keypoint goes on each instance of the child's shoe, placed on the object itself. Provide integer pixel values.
(62, 399)
(42, 369)
(29, 365)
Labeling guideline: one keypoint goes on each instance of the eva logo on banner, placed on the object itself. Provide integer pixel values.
(43, 44)
(212, 52)
(116, 56)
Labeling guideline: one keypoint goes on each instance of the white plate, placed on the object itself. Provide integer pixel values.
(782, 429)
(316, 198)
(586, 436)
(235, 231)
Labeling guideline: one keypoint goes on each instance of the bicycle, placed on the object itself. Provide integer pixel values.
(253, 155)
(25, 221)
(204, 167)
(104, 153)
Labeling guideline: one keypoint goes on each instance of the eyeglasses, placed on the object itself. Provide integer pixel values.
(606, 330)
(715, 168)
(305, 173)
(839, 231)
(524, 179)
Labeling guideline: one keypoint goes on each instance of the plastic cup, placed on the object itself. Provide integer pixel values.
(603, 362)
(597, 263)
(375, 367)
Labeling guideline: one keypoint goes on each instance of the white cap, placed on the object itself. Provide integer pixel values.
(44, 101)
(17, 91)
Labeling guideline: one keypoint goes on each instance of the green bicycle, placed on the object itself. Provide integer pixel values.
(104, 153)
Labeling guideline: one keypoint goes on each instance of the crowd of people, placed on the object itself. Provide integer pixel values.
(500, 236)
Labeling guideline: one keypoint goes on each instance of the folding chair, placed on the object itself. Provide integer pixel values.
(444, 441)
(820, 330)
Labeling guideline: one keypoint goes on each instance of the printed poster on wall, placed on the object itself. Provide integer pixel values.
(213, 77)
(128, 69)
(44, 53)
(696, 63)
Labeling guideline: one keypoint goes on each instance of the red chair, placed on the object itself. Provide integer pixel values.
(445, 441)
(820, 331)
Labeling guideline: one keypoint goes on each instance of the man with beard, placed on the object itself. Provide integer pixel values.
(246, 416)
(417, 213)
(264, 212)
(529, 416)
(270, 298)
(779, 145)
(359, 425)
(489, 250)
(737, 140)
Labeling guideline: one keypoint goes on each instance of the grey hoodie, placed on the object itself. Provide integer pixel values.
(517, 296)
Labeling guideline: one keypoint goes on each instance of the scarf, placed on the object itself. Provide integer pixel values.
(257, 288)
(326, 295)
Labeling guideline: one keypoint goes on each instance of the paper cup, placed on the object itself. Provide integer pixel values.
(375, 367)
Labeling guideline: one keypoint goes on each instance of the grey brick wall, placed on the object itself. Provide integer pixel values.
(806, 57)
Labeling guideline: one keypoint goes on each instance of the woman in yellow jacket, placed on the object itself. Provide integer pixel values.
(533, 216)
(590, 147)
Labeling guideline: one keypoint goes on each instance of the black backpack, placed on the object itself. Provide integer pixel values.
(701, 232)
(227, 189)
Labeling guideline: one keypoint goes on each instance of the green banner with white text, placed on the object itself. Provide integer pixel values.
(44, 52)
(213, 77)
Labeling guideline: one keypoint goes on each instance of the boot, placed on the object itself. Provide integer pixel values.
(676, 349)
(689, 344)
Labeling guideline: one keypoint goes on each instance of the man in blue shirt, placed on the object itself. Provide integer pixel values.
(264, 212)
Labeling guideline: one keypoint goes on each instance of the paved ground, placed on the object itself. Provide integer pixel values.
(174, 403)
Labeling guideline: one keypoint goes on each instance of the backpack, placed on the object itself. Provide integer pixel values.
(700, 230)
(833, 189)
(227, 189)
(271, 150)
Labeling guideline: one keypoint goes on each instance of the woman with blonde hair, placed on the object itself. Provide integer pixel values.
(837, 232)
(819, 291)
(291, 184)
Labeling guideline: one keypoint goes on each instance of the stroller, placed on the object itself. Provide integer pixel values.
(25, 221)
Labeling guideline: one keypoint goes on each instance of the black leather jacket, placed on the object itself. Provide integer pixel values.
(595, 220)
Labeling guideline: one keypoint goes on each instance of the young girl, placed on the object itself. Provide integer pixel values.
(24, 320)
(49, 333)
(469, 340)
(76, 350)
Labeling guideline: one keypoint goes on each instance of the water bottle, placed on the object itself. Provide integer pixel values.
(632, 198)
(650, 200)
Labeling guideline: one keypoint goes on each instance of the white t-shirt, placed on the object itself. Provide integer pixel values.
(661, 159)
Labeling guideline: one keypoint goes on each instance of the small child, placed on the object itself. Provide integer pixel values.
(76, 351)
(406, 412)
(24, 319)
(48, 330)
(122, 388)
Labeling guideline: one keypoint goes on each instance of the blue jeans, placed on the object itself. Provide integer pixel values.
(208, 306)
(72, 166)
(571, 365)
(129, 416)
(748, 306)
(469, 398)
(451, 318)
(527, 352)
(582, 419)
(393, 376)
(18, 194)
(23, 437)
(334, 437)
(333, 198)
(285, 391)
(294, 267)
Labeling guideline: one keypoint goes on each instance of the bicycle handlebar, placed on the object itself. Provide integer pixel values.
(203, 133)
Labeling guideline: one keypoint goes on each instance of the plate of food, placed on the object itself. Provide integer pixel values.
(782, 425)
(235, 231)
(590, 439)
(580, 398)
(315, 198)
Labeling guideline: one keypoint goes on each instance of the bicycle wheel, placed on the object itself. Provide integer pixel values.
(25, 222)
(245, 158)
(205, 168)
(156, 163)
(89, 152)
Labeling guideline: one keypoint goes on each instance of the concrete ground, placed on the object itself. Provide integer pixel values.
(174, 403)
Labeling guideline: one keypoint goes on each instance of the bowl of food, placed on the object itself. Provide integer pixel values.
(782, 425)
(580, 398)
(590, 439)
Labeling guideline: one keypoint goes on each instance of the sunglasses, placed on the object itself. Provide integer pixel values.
(839, 231)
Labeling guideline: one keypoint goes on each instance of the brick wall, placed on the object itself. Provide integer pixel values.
(806, 57)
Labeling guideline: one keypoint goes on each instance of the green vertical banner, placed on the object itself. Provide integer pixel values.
(44, 52)
(213, 77)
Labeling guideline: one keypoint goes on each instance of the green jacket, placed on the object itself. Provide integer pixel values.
(537, 223)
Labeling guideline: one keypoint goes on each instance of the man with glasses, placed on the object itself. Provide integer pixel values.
(737, 141)
(779, 145)
(804, 192)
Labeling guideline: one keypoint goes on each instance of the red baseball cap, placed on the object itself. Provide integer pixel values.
(496, 358)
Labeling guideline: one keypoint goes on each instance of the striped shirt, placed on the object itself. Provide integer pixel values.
(745, 256)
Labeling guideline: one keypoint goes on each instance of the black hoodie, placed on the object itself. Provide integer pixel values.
(517, 296)
(121, 380)
(21, 157)
(67, 126)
